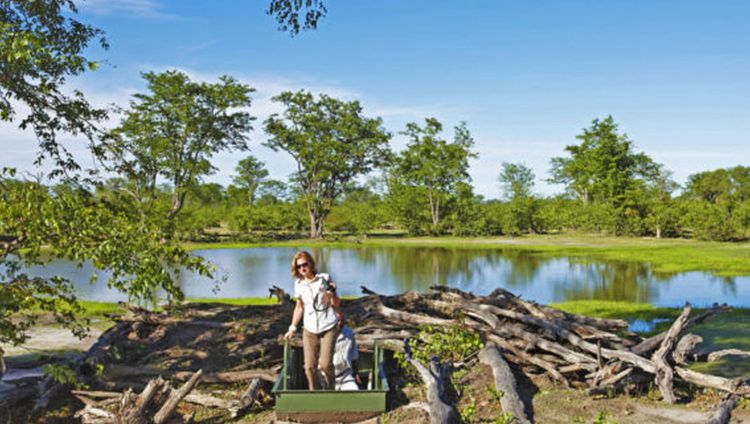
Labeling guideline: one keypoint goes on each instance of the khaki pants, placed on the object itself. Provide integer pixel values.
(319, 346)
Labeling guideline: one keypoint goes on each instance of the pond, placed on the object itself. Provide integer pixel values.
(250, 272)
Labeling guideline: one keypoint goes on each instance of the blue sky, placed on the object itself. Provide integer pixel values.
(527, 76)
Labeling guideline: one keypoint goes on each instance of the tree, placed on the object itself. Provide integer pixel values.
(251, 174)
(604, 166)
(173, 132)
(604, 169)
(432, 165)
(38, 225)
(720, 185)
(332, 143)
(518, 180)
(41, 46)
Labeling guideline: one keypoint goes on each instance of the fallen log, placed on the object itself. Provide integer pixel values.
(505, 383)
(115, 371)
(664, 373)
(434, 378)
(718, 354)
(155, 404)
(530, 359)
(724, 411)
(174, 399)
(247, 398)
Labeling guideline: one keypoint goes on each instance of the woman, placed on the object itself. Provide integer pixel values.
(317, 305)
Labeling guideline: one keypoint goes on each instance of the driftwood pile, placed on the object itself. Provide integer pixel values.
(229, 356)
(597, 354)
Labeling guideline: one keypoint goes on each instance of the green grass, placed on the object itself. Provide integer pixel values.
(99, 309)
(615, 309)
(664, 255)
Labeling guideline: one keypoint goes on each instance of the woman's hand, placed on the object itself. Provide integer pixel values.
(332, 286)
(290, 333)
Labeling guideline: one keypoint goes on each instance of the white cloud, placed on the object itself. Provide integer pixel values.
(131, 8)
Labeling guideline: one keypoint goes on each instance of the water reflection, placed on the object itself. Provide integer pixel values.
(390, 270)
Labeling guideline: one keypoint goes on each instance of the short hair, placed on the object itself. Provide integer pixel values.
(310, 260)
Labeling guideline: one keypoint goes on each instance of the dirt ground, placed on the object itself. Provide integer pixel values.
(251, 342)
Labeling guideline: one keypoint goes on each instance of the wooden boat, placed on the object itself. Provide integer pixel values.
(294, 402)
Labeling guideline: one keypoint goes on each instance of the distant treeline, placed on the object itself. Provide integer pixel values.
(425, 189)
(714, 205)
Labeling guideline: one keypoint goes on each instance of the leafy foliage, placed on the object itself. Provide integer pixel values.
(41, 46)
(297, 15)
(251, 174)
(173, 132)
(430, 168)
(332, 143)
(451, 344)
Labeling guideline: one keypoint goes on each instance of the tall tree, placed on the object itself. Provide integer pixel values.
(251, 174)
(604, 169)
(518, 182)
(332, 142)
(432, 165)
(173, 131)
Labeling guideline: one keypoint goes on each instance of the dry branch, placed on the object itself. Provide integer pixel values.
(664, 373)
(648, 345)
(175, 398)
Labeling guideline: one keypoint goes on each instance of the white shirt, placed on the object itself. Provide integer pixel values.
(316, 318)
(343, 355)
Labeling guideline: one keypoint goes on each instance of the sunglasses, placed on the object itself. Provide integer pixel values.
(303, 265)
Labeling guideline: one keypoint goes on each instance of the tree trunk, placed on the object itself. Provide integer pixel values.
(315, 232)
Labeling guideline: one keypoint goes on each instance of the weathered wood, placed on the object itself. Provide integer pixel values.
(411, 318)
(3, 366)
(530, 359)
(247, 398)
(710, 381)
(718, 354)
(685, 349)
(115, 371)
(664, 373)
(97, 394)
(157, 320)
(724, 411)
(434, 380)
(505, 382)
(19, 394)
(546, 312)
(281, 295)
(175, 398)
(651, 343)
(487, 313)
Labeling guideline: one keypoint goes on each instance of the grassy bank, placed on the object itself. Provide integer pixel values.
(664, 255)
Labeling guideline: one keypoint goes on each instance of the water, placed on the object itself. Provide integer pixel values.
(390, 270)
